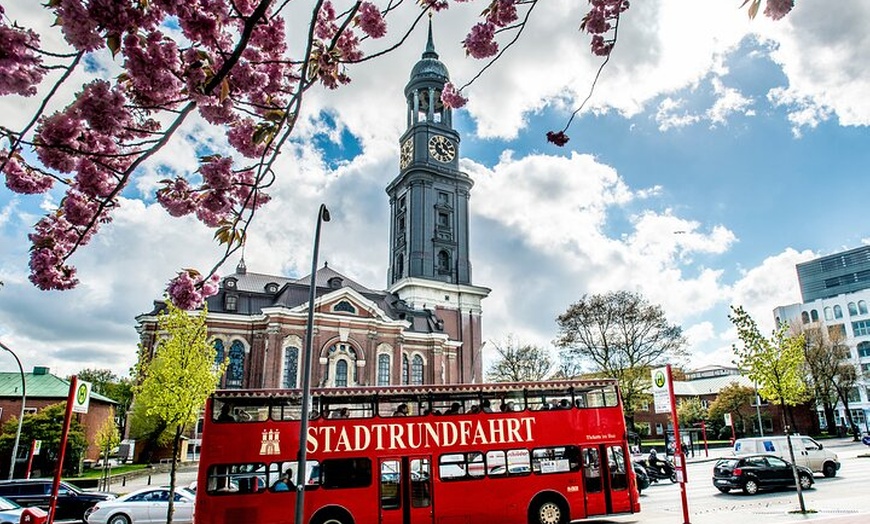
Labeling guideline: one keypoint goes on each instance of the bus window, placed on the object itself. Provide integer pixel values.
(287, 409)
(421, 483)
(616, 464)
(495, 463)
(350, 407)
(400, 406)
(591, 470)
(451, 466)
(555, 460)
(239, 478)
(240, 411)
(346, 473)
(391, 492)
(475, 464)
(279, 469)
(518, 462)
(549, 399)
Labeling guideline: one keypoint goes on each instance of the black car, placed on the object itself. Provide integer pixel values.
(752, 473)
(71, 501)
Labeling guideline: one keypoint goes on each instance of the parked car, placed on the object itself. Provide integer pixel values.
(756, 472)
(71, 501)
(10, 512)
(807, 452)
(144, 506)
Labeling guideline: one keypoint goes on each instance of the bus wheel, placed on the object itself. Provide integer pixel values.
(334, 516)
(548, 511)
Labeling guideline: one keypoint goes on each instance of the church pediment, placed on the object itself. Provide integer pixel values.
(346, 302)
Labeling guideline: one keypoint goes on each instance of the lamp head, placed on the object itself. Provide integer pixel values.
(324, 213)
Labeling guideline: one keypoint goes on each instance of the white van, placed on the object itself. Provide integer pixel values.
(807, 452)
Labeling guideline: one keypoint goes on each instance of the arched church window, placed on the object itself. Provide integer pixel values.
(344, 306)
(218, 352)
(417, 370)
(829, 315)
(291, 367)
(383, 369)
(443, 260)
(814, 315)
(341, 374)
(862, 307)
(838, 311)
(853, 308)
(405, 370)
(236, 367)
(805, 317)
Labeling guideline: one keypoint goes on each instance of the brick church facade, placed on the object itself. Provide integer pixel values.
(425, 328)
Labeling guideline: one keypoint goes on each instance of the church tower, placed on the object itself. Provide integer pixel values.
(430, 266)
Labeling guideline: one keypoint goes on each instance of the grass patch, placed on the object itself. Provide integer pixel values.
(96, 473)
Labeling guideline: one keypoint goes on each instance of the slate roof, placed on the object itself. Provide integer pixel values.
(708, 386)
(39, 386)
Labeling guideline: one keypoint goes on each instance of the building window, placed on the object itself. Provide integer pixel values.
(861, 328)
(659, 429)
(443, 220)
(828, 314)
(805, 317)
(865, 368)
(341, 374)
(400, 266)
(218, 352)
(236, 368)
(417, 370)
(853, 309)
(345, 306)
(291, 367)
(383, 370)
(838, 311)
(862, 307)
(853, 395)
(814, 315)
(443, 261)
(231, 302)
(405, 369)
(864, 349)
(443, 199)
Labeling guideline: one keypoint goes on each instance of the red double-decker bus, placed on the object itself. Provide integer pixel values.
(542, 453)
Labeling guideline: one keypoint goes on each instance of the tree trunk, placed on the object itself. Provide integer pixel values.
(170, 509)
(830, 416)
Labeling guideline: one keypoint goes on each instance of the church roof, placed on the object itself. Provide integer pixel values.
(429, 67)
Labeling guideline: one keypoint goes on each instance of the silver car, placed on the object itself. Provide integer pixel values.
(144, 506)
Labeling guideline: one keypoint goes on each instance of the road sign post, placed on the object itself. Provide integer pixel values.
(665, 402)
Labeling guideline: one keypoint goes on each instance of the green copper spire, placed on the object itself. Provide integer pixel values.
(430, 45)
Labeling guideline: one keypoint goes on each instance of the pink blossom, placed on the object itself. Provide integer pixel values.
(57, 131)
(216, 172)
(22, 179)
(79, 28)
(777, 9)
(208, 216)
(371, 21)
(52, 238)
(203, 20)
(103, 108)
(451, 97)
(188, 290)
(479, 43)
(78, 209)
(241, 137)
(20, 67)
(437, 5)
(153, 68)
(177, 197)
(348, 45)
(501, 12)
(325, 27)
(93, 179)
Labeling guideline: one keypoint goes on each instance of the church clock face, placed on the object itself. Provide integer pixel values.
(407, 153)
(441, 148)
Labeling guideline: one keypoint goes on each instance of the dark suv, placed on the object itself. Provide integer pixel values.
(71, 501)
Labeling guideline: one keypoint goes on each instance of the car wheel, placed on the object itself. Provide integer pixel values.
(723, 490)
(829, 469)
(549, 511)
(120, 518)
(805, 480)
(750, 487)
(331, 516)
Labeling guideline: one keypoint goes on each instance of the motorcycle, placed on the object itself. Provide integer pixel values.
(866, 439)
(661, 470)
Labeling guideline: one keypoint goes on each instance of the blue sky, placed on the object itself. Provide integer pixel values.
(715, 154)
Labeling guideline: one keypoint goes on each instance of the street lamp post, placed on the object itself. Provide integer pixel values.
(322, 216)
(21, 416)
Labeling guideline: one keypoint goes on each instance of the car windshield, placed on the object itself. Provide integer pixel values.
(6, 505)
(69, 487)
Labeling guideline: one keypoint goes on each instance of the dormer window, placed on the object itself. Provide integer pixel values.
(231, 302)
(271, 287)
(230, 283)
(335, 282)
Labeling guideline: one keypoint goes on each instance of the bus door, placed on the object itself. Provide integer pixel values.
(605, 480)
(406, 490)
